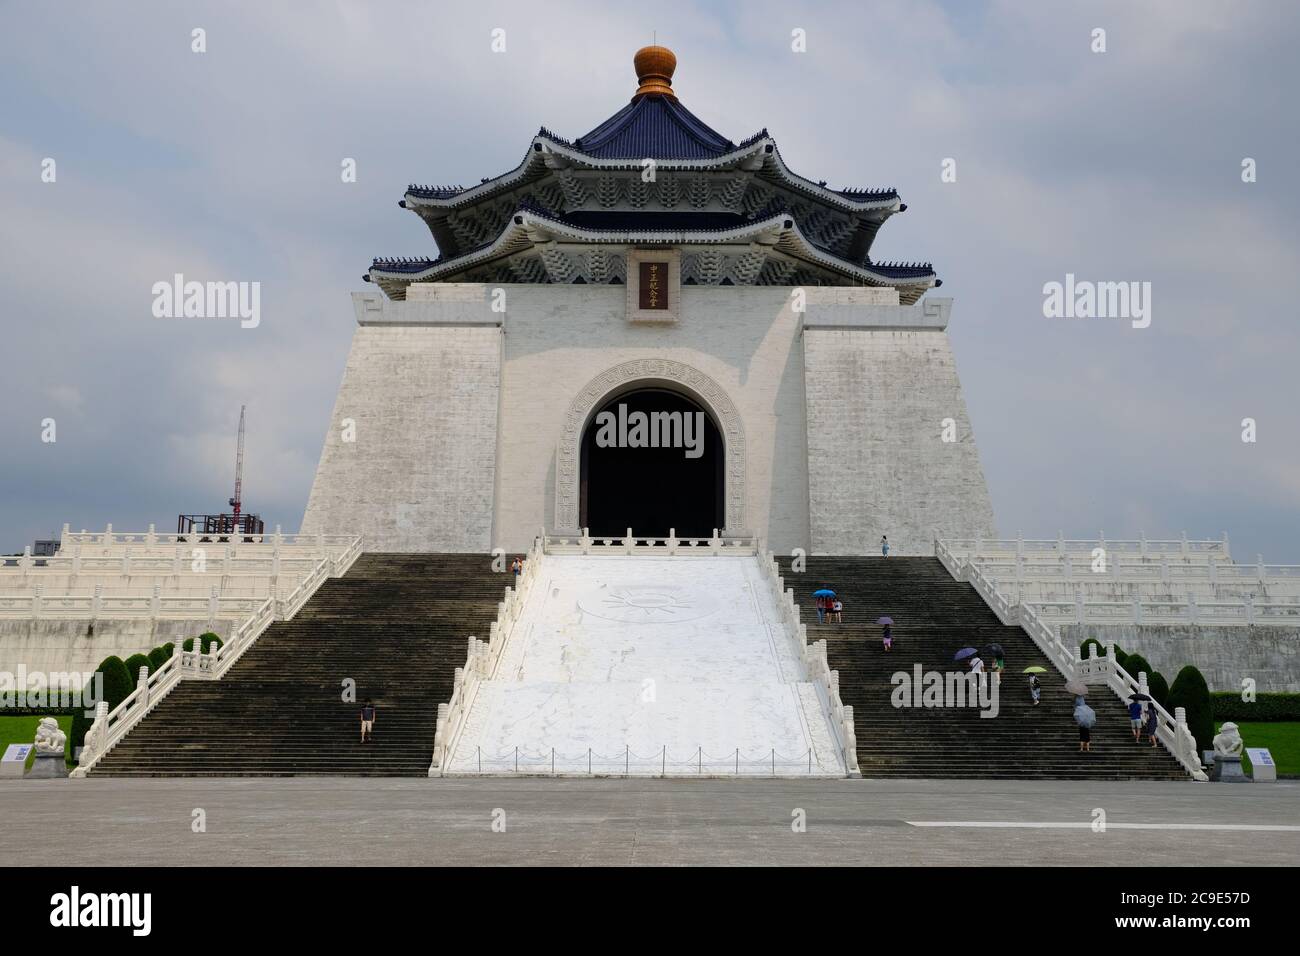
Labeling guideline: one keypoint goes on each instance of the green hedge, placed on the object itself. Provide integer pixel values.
(158, 657)
(133, 665)
(1228, 705)
(1137, 664)
(1158, 687)
(208, 642)
(118, 685)
(1190, 692)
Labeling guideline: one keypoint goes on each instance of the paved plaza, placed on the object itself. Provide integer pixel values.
(334, 821)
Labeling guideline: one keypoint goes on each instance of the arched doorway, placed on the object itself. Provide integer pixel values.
(653, 460)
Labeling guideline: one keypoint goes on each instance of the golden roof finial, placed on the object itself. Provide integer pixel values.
(654, 71)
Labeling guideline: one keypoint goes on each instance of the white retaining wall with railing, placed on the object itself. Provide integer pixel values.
(1173, 732)
(110, 727)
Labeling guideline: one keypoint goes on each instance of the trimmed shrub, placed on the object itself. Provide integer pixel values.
(1190, 692)
(133, 665)
(1228, 705)
(1137, 664)
(208, 643)
(157, 658)
(1158, 687)
(117, 685)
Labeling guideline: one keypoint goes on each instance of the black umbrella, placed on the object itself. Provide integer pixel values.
(994, 650)
(1140, 697)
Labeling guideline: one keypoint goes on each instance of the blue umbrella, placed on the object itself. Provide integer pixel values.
(824, 592)
(1085, 716)
(884, 620)
(964, 653)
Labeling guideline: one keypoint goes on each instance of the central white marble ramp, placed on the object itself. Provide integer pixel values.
(648, 665)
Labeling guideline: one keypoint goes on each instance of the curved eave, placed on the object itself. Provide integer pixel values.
(888, 204)
(779, 231)
(763, 149)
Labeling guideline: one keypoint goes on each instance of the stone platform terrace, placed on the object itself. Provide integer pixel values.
(575, 822)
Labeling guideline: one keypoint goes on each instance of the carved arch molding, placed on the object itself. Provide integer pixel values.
(647, 373)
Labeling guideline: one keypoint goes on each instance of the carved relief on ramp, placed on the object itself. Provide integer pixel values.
(644, 372)
(648, 603)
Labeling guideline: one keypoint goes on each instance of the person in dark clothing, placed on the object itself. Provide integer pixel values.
(1135, 719)
(367, 721)
(1153, 723)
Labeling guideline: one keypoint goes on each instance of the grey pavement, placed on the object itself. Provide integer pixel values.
(340, 821)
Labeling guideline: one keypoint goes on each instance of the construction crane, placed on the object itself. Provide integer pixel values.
(212, 527)
(237, 501)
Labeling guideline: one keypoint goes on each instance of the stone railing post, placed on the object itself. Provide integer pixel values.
(1250, 609)
(1078, 605)
(155, 602)
(97, 601)
(143, 684)
(151, 537)
(107, 538)
(214, 597)
(37, 595)
(126, 562)
(1185, 549)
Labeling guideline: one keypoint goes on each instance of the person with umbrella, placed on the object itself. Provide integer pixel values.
(1035, 686)
(887, 632)
(824, 596)
(972, 659)
(1078, 688)
(1085, 717)
(995, 653)
(1135, 715)
(1153, 723)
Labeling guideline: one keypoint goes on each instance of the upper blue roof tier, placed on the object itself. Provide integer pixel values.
(654, 127)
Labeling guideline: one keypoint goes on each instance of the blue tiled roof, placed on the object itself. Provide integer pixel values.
(902, 270)
(654, 127)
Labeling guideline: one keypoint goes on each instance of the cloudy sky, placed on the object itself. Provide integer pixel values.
(1115, 166)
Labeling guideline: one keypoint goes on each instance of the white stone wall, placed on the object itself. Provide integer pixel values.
(438, 466)
(420, 474)
(558, 338)
(876, 401)
(61, 646)
(1226, 655)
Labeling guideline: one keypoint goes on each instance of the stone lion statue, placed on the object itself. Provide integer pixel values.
(1227, 742)
(49, 738)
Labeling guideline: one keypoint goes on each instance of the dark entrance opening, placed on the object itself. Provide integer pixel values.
(625, 484)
